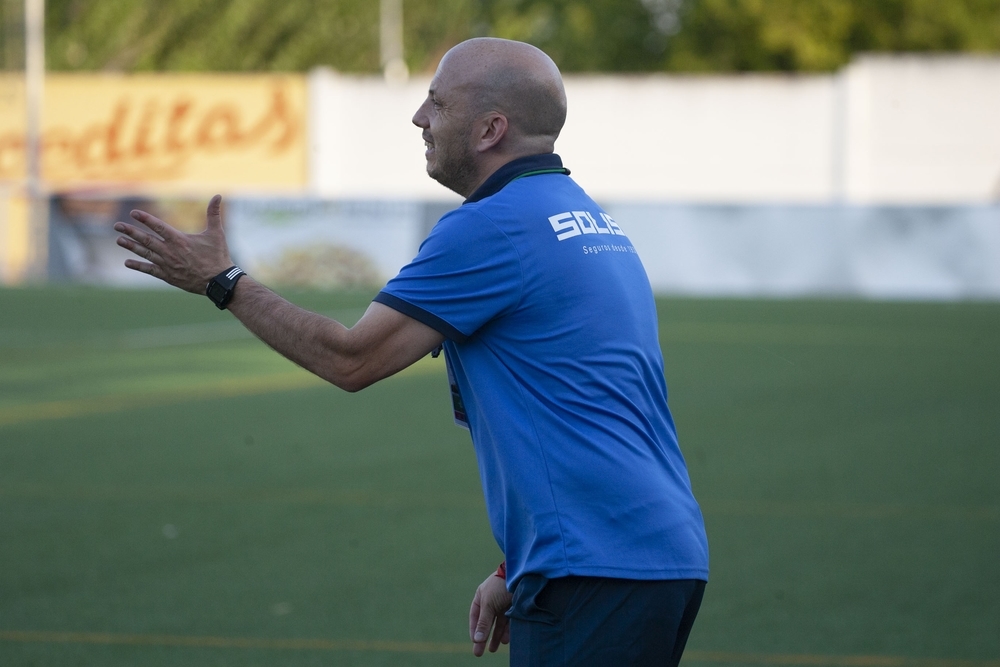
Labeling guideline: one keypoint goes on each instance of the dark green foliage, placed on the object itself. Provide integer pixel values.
(242, 35)
(740, 35)
(212, 35)
(821, 35)
(591, 36)
(581, 35)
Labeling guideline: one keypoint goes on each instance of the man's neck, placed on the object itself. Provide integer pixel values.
(496, 161)
(527, 165)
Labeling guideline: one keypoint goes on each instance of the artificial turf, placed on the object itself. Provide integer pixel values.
(173, 492)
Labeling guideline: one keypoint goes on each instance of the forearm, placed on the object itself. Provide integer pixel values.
(383, 342)
(320, 345)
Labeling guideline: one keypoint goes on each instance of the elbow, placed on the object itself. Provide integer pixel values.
(352, 385)
(352, 368)
(352, 379)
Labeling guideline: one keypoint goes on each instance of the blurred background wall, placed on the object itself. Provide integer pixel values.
(745, 151)
(886, 129)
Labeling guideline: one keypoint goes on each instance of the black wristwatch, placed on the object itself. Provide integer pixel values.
(220, 288)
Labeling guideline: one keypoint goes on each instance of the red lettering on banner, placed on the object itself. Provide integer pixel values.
(174, 143)
(219, 129)
(154, 139)
(141, 146)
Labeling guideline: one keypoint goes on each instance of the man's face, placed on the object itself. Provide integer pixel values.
(447, 131)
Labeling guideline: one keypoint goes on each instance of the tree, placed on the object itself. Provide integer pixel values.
(822, 35)
(581, 35)
(211, 35)
(740, 35)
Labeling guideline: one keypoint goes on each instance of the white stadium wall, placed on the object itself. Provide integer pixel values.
(363, 144)
(885, 130)
(922, 130)
(731, 139)
(882, 252)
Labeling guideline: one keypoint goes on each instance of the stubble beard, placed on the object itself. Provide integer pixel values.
(455, 169)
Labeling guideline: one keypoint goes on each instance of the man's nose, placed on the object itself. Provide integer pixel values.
(420, 117)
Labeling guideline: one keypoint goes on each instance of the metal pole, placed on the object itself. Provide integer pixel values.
(34, 39)
(391, 41)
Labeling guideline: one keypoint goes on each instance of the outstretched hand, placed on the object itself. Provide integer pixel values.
(187, 261)
(488, 612)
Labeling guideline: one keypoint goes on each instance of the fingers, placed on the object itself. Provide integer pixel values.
(154, 223)
(501, 631)
(474, 615)
(136, 240)
(482, 632)
(144, 267)
(214, 213)
(141, 250)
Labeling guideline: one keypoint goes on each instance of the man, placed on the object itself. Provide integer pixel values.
(549, 331)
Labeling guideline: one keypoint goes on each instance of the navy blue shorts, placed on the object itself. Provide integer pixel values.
(600, 622)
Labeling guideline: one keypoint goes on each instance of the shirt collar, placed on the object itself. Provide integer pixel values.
(545, 163)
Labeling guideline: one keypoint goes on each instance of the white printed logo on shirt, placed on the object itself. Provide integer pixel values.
(574, 223)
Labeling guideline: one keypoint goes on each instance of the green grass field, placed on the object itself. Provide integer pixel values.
(173, 493)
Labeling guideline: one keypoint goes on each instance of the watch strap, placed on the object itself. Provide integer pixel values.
(220, 288)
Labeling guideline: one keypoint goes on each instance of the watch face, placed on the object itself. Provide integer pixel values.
(216, 292)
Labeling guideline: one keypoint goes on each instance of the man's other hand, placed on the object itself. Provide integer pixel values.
(489, 605)
(187, 261)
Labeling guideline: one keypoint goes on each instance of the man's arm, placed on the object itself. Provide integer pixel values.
(383, 342)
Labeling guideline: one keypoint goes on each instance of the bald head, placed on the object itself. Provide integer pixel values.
(490, 102)
(514, 79)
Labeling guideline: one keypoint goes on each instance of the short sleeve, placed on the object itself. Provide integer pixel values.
(466, 273)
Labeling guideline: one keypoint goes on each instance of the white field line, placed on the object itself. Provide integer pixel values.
(227, 387)
(789, 510)
(670, 332)
(392, 646)
(109, 638)
(731, 333)
(147, 337)
(182, 334)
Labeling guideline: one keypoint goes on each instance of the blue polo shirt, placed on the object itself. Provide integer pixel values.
(555, 364)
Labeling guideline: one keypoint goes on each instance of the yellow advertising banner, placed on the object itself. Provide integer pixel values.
(180, 133)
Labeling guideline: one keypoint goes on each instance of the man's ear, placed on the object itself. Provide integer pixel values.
(492, 129)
